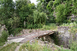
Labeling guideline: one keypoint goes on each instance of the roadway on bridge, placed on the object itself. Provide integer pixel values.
(27, 37)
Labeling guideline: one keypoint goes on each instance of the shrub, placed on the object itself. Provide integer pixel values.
(60, 17)
(36, 21)
(39, 17)
(33, 26)
(3, 38)
(16, 30)
(12, 24)
(51, 26)
(51, 19)
(63, 11)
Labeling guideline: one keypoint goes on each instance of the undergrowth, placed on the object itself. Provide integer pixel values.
(3, 38)
(38, 47)
(9, 47)
(33, 47)
(51, 26)
(69, 24)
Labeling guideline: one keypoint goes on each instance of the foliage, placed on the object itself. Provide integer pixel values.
(16, 30)
(64, 50)
(15, 14)
(3, 37)
(33, 26)
(6, 13)
(73, 46)
(74, 7)
(73, 42)
(24, 14)
(76, 20)
(39, 18)
(24, 9)
(51, 19)
(46, 6)
(36, 21)
(12, 24)
(63, 9)
(60, 14)
(51, 26)
(9, 47)
(34, 47)
(69, 24)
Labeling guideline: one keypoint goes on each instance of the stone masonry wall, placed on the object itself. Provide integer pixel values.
(64, 36)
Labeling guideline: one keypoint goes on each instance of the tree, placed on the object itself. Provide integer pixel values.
(39, 17)
(7, 10)
(46, 6)
(63, 11)
(7, 7)
(23, 9)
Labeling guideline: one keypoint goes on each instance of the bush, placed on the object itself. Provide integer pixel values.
(12, 24)
(51, 19)
(3, 37)
(62, 13)
(36, 21)
(39, 17)
(60, 17)
(33, 26)
(16, 30)
(51, 26)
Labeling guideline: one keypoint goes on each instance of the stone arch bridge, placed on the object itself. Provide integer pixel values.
(27, 37)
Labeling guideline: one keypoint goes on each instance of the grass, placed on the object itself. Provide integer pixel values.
(10, 47)
(69, 24)
(2, 43)
(73, 30)
(18, 34)
(33, 47)
(51, 26)
(64, 50)
(73, 46)
(36, 47)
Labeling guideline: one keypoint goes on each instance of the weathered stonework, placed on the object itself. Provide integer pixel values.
(64, 36)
